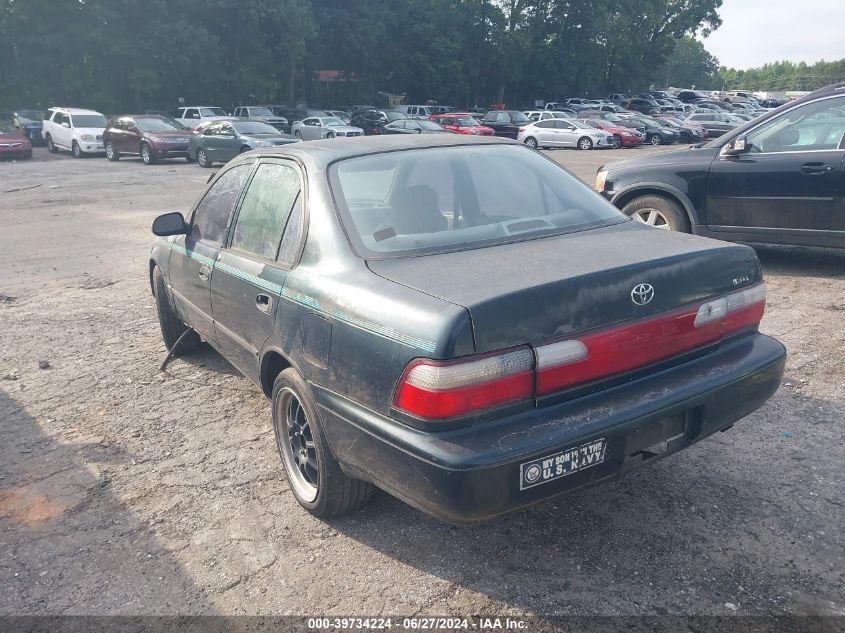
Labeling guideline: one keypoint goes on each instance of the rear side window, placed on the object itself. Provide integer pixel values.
(454, 198)
(265, 210)
(212, 215)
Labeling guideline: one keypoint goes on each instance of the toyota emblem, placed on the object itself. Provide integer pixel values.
(642, 294)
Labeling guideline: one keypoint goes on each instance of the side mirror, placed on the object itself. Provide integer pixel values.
(66, 124)
(737, 147)
(132, 128)
(170, 224)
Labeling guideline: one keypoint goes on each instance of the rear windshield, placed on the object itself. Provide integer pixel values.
(453, 198)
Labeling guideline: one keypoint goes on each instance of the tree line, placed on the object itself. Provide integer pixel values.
(122, 55)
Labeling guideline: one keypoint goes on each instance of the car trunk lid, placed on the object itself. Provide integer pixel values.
(554, 287)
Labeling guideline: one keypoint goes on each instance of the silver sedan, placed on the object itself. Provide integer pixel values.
(315, 128)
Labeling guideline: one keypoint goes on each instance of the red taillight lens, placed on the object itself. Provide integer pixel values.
(521, 130)
(568, 363)
(436, 390)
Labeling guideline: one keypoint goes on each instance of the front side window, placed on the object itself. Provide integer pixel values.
(212, 215)
(454, 198)
(816, 126)
(265, 210)
(212, 112)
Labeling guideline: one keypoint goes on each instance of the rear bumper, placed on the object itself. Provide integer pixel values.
(472, 474)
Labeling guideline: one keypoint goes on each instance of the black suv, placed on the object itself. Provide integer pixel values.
(777, 179)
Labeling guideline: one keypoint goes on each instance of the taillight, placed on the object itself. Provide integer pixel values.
(617, 350)
(521, 130)
(436, 389)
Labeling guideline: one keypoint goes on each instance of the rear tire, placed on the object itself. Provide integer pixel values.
(316, 479)
(585, 143)
(659, 212)
(111, 153)
(532, 142)
(171, 326)
(51, 147)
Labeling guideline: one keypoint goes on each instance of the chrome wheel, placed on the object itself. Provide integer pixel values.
(110, 153)
(652, 217)
(655, 139)
(585, 143)
(146, 154)
(297, 447)
(202, 158)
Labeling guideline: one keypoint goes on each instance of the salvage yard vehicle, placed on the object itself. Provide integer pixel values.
(221, 141)
(328, 127)
(777, 179)
(262, 113)
(74, 129)
(149, 136)
(29, 123)
(622, 136)
(193, 116)
(505, 122)
(459, 321)
(564, 133)
(462, 123)
(13, 143)
(414, 126)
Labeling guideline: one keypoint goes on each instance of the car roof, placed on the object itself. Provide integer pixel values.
(75, 110)
(320, 154)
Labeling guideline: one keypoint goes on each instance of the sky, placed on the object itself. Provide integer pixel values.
(755, 32)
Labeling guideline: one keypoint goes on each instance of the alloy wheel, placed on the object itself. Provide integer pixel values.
(531, 142)
(298, 448)
(652, 217)
(145, 154)
(655, 139)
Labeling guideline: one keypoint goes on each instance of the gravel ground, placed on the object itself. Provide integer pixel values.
(124, 490)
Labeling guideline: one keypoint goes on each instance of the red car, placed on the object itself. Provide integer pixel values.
(623, 136)
(461, 123)
(13, 144)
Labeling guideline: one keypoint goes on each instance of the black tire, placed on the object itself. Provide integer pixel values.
(532, 142)
(51, 147)
(685, 138)
(171, 326)
(189, 158)
(76, 150)
(330, 135)
(655, 139)
(111, 153)
(245, 148)
(617, 141)
(335, 492)
(673, 215)
(298, 135)
(202, 158)
(585, 143)
(147, 154)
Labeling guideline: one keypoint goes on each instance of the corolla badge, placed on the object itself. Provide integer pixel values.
(642, 294)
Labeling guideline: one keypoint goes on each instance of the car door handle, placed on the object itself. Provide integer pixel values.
(816, 168)
(263, 302)
(204, 272)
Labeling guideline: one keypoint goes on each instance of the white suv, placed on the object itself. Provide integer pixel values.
(79, 131)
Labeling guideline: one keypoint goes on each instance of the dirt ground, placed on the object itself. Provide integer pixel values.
(124, 490)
